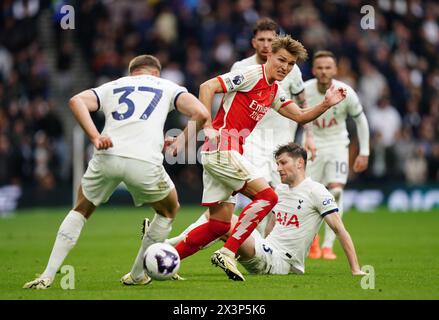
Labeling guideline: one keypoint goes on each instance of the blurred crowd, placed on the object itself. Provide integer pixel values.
(31, 133)
(394, 68)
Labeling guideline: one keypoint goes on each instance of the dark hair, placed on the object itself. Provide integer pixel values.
(265, 24)
(324, 53)
(144, 61)
(294, 47)
(294, 151)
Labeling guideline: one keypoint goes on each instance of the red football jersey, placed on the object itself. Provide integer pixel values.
(247, 98)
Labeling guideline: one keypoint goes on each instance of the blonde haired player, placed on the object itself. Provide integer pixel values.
(273, 130)
(331, 164)
(248, 94)
(129, 150)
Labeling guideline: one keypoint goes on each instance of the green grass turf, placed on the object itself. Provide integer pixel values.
(402, 247)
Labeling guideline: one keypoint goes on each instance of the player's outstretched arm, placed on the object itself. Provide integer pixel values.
(332, 97)
(310, 145)
(81, 105)
(336, 224)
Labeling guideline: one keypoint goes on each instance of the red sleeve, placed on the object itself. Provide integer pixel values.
(285, 104)
(223, 85)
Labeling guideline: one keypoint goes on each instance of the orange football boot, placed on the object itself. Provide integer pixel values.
(315, 252)
(328, 254)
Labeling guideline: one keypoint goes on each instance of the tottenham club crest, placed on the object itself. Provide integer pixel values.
(237, 80)
(300, 205)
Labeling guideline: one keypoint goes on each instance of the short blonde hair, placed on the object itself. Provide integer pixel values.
(294, 47)
(144, 61)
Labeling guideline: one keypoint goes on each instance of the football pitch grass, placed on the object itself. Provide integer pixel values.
(403, 249)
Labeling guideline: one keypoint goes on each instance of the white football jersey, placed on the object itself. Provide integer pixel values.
(274, 129)
(330, 128)
(136, 108)
(299, 214)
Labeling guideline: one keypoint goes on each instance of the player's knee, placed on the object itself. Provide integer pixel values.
(176, 208)
(268, 195)
(218, 227)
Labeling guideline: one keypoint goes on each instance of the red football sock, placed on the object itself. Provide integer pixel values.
(201, 236)
(249, 218)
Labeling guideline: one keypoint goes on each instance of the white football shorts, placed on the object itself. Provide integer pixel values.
(330, 165)
(224, 174)
(267, 259)
(146, 182)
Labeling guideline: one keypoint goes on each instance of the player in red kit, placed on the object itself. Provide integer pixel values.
(248, 94)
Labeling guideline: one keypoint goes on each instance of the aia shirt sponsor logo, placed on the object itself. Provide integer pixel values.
(237, 80)
(286, 219)
(322, 123)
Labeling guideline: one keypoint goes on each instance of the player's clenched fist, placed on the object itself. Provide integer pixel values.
(102, 142)
(334, 95)
(170, 145)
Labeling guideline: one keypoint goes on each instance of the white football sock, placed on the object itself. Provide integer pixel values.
(174, 241)
(330, 236)
(158, 231)
(68, 234)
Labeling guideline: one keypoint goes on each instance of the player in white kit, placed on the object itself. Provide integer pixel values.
(303, 205)
(331, 165)
(129, 150)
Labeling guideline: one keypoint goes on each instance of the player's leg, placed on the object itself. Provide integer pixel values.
(273, 179)
(67, 236)
(247, 249)
(97, 185)
(316, 169)
(336, 175)
(151, 184)
(263, 200)
(156, 231)
(336, 190)
(241, 201)
(218, 184)
(258, 256)
(203, 218)
(216, 226)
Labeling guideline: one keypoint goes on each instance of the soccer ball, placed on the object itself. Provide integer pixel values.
(161, 261)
